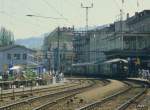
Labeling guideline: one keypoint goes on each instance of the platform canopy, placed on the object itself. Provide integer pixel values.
(84, 64)
(116, 60)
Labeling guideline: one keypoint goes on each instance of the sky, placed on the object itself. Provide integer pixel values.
(13, 14)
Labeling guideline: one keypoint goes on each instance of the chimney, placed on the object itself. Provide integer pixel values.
(128, 16)
(136, 13)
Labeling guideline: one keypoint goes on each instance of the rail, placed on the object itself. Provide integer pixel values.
(30, 100)
(73, 93)
(98, 103)
(127, 103)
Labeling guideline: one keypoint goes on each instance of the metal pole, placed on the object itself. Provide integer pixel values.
(13, 92)
(2, 91)
(121, 20)
(31, 87)
(87, 10)
(49, 65)
(71, 65)
(58, 51)
(23, 89)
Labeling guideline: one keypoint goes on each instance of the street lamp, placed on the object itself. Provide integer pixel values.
(13, 97)
(46, 17)
(58, 38)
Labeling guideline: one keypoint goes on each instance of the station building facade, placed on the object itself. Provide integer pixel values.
(128, 39)
(15, 55)
(59, 39)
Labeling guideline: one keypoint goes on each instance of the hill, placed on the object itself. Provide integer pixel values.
(32, 42)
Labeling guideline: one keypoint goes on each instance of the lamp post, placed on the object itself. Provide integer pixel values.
(49, 61)
(31, 85)
(13, 83)
(58, 36)
(13, 92)
(58, 50)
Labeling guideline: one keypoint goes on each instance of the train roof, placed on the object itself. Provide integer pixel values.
(116, 60)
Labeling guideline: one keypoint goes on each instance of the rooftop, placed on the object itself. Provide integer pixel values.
(4, 48)
(138, 16)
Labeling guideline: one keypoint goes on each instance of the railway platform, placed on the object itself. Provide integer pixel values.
(140, 79)
(33, 88)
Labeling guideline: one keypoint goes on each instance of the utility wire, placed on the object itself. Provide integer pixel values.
(60, 14)
(29, 8)
(116, 3)
(15, 17)
(12, 15)
(52, 7)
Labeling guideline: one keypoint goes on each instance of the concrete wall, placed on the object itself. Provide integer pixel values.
(141, 26)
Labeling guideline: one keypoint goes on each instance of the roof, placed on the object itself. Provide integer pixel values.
(5, 48)
(116, 60)
(84, 64)
(139, 16)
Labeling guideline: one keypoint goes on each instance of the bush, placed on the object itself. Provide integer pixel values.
(30, 74)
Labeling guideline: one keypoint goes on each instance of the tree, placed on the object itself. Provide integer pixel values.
(6, 37)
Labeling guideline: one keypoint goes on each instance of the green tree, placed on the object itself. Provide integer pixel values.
(30, 74)
(6, 37)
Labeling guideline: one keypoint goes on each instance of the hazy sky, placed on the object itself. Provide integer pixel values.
(13, 14)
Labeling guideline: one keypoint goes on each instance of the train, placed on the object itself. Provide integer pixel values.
(114, 68)
(110, 68)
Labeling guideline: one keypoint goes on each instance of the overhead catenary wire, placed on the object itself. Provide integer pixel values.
(117, 5)
(13, 20)
(14, 17)
(52, 7)
(27, 7)
(57, 11)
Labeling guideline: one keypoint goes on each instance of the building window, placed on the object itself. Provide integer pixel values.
(24, 56)
(17, 56)
(9, 56)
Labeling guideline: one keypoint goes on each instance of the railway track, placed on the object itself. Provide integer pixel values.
(141, 103)
(118, 101)
(36, 91)
(69, 98)
(20, 95)
(33, 102)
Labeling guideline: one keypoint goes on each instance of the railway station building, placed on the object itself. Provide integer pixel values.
(58, 50)
(128, 39)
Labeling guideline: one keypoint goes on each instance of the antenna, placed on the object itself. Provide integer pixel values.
(138, 5)
(122, 11)
(121, 22)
